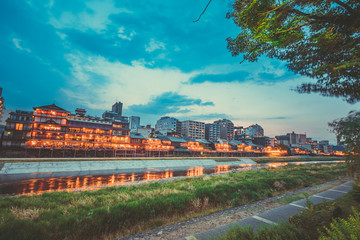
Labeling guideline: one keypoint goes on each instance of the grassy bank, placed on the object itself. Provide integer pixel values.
(338, 220)
(296, 159)
(115, 212)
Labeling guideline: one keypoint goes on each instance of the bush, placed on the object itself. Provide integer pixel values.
(283, 231)
(341, 229)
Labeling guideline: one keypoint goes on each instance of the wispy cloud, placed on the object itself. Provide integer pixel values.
(154, 45)
(208, 117)
(168, 102)
(17, 44)
(276, 118)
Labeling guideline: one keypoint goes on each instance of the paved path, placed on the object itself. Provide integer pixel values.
(277, 215)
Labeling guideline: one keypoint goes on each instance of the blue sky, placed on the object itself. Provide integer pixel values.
(151, 56)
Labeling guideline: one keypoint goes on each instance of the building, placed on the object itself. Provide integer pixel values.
(212, 132)
(261, 141)
(239, 132)
(283, 140)
(254, 130)
(166, 125)
(117, 108)
(146, 131)
(1, 102)
(324, 146)
(56, 128)
(18, 129)
(222, 128)
(134, 122)
(193, 129)
(296, 139)
(49, 127)
(226, 129)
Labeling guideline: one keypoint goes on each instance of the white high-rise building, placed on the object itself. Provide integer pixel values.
(134, 122)
(193, 129)
(167, 125)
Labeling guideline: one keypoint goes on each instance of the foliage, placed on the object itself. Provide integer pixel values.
(343, 229)
(317, 38)
(323, 221)
(283, 231)
(347, 131)
(116, 212)
(315, 217)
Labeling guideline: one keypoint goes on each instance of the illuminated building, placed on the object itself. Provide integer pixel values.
(238, 132)
(193, 129)
(155, 144)
(223, 145)
(49, 127)
(254, 130)
(55, 128)
(18, 129)
(226, 129)
(240, 146)
(223, 129)
(4, 114)
(167, 125)
(1, 101)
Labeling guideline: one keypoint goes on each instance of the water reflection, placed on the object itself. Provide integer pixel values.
(94, 182)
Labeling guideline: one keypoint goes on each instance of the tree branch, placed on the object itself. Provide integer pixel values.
(274, 9)
(203, 11)
(293, 28)
(344, 5)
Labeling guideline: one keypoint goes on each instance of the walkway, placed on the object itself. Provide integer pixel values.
(280, 214)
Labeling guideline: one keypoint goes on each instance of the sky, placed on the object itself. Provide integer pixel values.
(151, 56)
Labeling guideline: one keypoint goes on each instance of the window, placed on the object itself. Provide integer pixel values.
(19, 126)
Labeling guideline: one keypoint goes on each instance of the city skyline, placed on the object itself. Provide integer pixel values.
(156, 61)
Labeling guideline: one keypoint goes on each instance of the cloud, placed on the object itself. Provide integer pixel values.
(94, 15)
(208, 117)
(239, 76)
(168, 102)
(276, 118)
(276, 76)
(154, 45)
(17, 44)
(122, 35)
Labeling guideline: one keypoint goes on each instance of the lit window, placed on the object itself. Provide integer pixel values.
(19, 126)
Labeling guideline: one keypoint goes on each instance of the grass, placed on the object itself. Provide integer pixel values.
(117, 212)
(296, 159)
(329, 220)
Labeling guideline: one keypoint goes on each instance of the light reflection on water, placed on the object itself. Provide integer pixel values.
(94, 182)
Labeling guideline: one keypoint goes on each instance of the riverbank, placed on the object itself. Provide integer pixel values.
(218, 159)
(198, 225)
(120, 211)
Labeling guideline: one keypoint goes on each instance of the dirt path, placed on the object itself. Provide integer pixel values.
(196, 225)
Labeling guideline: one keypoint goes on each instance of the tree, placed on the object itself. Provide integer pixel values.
(347, 131)
(317, 38)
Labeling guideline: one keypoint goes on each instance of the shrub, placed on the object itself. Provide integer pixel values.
(341, 229)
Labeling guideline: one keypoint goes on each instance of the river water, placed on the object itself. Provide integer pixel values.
(40, 177)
